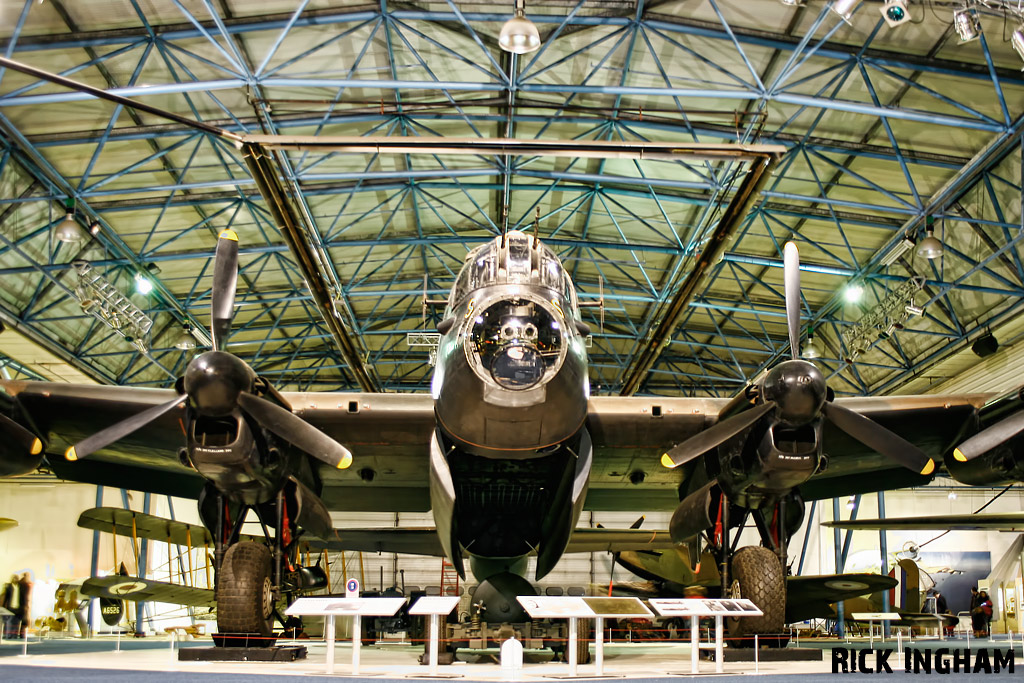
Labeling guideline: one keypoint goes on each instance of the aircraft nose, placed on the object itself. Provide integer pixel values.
(516, 342)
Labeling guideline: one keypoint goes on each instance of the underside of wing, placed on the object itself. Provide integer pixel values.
(811, 597)
(995, 521)
(586, 540)
(145, 590)
(130, 523)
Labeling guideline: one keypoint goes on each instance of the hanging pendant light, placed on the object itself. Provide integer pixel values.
(519, 35)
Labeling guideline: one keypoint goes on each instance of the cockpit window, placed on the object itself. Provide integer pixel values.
(514, 260)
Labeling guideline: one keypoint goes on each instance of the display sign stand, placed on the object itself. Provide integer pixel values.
(357, 608)
(575, 608)
(695, 608)
(435, 607)
(871, 618)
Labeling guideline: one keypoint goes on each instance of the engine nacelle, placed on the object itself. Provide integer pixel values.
(15, 460)
(1001, 465)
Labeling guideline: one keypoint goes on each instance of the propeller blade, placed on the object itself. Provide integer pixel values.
(27, 439)
(701, 443)
(791, 261)
(880, 439)
(990, 437)
(296, 431)
(225, 278)
(105, 437)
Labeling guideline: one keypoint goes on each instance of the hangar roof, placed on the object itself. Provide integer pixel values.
(887, 132)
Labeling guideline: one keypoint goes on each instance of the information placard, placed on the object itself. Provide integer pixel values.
(435, 604)
(555, 607)
(705, 607)
(615, 608)
(364, 607)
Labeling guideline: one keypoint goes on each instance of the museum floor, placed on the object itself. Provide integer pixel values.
(77, 661)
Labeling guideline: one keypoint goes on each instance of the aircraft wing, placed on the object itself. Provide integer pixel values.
(7, 523)
(810, 597)
(145, 590)
(993, 521)
(130, 523)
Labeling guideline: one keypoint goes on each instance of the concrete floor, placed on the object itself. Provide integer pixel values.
(77, 660)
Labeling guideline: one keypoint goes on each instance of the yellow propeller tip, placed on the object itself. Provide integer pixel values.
(928, 468)
(37, 447)
(70, 454)
(228, 234)
(666, 461)
(345, 462)
(959, 456)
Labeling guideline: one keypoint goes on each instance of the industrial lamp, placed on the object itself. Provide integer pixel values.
(519, 35)
(811, 348)
(930, 247)
(68, 230)
(186, 341)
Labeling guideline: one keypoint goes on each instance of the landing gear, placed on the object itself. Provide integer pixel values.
(757, 576)
(245, 598)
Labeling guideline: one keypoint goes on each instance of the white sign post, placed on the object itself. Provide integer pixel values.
(695, 608)
(435, 607)
(353, 607)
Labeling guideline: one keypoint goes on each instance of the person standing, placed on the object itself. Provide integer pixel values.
(24, 596)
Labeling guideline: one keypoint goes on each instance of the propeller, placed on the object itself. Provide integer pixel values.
(880, 439)
(119, 430)
(990, 437)
(704, 441)
(218, 382)
(225, 280)
(296, 431)
(797, 392)
(791, 265)
(27, 439)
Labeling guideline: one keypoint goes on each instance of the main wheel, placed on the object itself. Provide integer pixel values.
(757, 576)
(245, 599)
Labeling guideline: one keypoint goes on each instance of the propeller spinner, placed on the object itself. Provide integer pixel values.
(216, 383)
(795, 392)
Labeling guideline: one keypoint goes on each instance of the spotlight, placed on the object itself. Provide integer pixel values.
(985, 345)
(930, 247)
(69, 230)
(844, 8)
(791, 3)
(1017, 40)
(911, 309)
(186, 342)
(811, 348)
(895, 12)
(143, 285)
(952, 495)
(852, 293)
(851, 503)
(966, 24)
(519, 35)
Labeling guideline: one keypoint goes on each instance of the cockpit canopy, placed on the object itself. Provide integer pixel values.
(516, 259)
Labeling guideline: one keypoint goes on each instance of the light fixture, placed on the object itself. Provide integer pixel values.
(519, 35)
(952, 495)
(898, 249)
(844, 8)
(930, 247)
(966, 24)
(911, 309)
(186, 341)
(1017, 40)
(68, 230)
(851, 503)
(852, 293)
(895, 12)
(143, 285)
(94, 228)
(791, 3)
(811, 348)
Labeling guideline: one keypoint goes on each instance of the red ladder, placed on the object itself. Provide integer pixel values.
(449, 578)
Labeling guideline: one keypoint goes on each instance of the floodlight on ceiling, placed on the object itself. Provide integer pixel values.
(853, 293)
(895, 12)
(143, 285)
(792, 3)
(897, 250)
(930, 247)
(844, 8)
(1017, 40)
(186, 340)
(966, 24)
(519, 35)
(68, 230)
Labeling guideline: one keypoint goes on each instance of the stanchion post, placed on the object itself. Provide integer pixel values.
(757, 652)
(599, 645)
(24, 644)
(357, 641)
(118, 646)
(718, 645)
(329, 641)
(694, 644)
(571, 647)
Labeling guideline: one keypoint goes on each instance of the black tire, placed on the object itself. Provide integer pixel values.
(245, 602)
(757, 576)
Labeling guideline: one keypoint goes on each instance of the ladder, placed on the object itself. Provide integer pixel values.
(449, 578)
